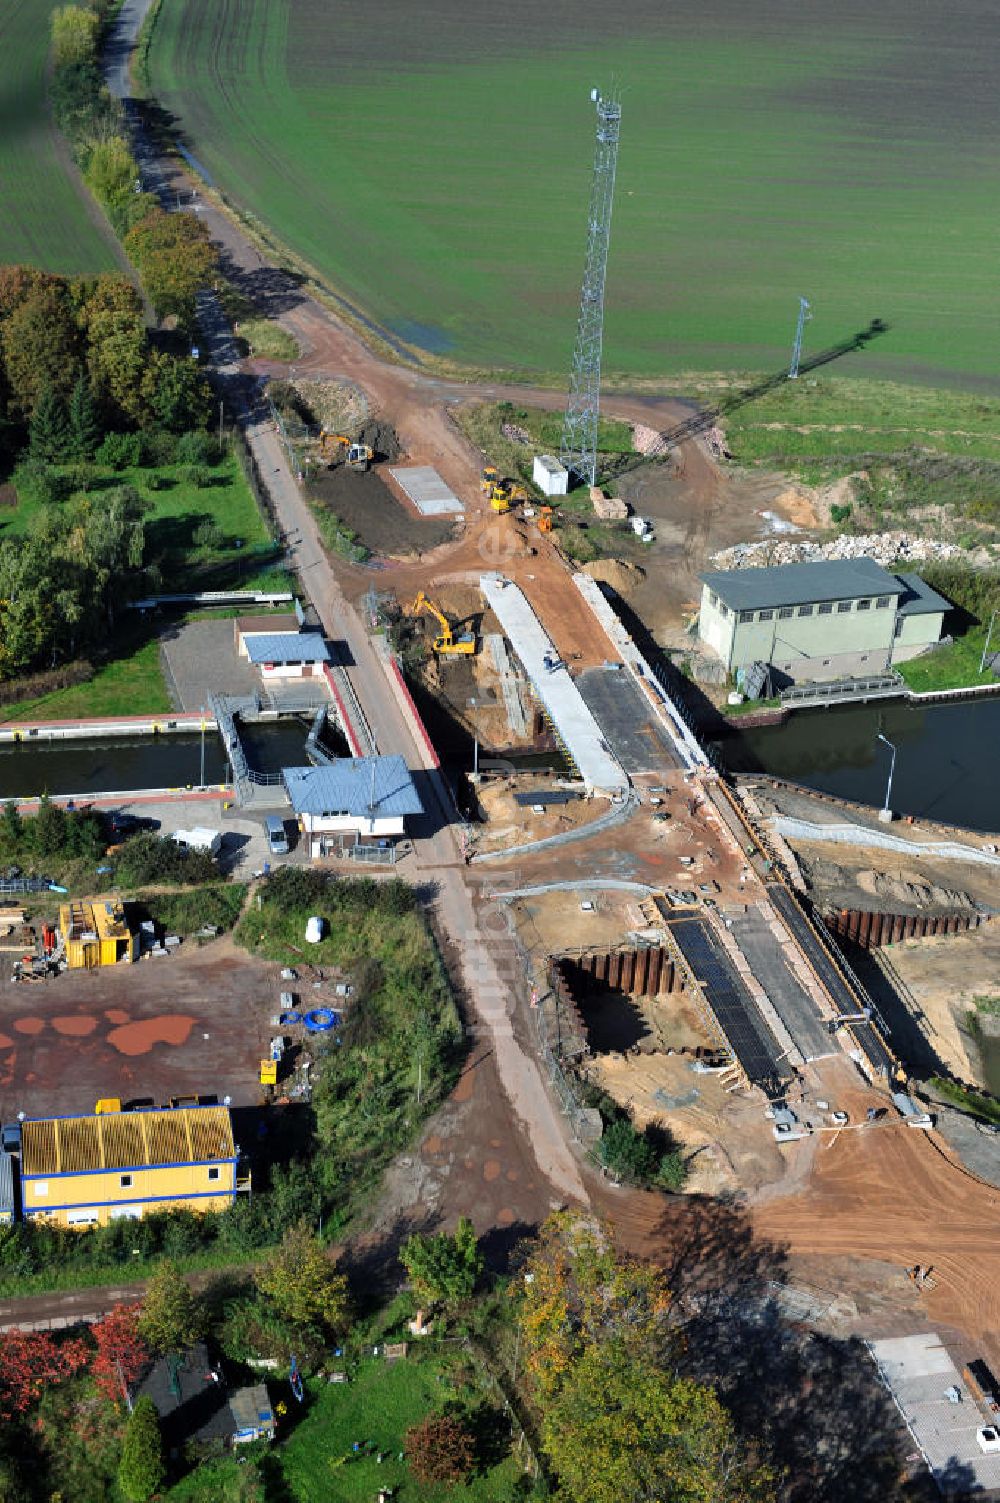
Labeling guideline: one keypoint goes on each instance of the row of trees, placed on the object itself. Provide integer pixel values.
(172, 252)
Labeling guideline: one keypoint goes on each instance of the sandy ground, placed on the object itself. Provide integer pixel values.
(511, 825)
(942, 975)
(195, 1022)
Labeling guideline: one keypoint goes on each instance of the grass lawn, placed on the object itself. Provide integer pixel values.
(952, 667)
(175, 512)
(47, 218)
(378, 1406)
(850, 158)
(269, 340)
(315, 1462)
(130, 683)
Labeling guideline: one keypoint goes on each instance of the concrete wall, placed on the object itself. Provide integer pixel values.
(916, 634)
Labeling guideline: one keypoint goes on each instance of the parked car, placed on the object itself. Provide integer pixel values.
(277, 836)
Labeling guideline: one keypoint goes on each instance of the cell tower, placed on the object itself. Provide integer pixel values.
(804, 316)
(579, 438)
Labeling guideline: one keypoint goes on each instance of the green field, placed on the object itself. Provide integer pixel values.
(433, 163)
(46, 217)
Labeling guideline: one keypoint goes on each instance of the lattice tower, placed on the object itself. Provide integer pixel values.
(579, 438)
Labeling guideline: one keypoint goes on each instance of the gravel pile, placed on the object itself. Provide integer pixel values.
(884, 547)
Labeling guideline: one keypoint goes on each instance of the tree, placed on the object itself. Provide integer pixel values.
(84, 424)
(41, 345)
(32, 1360)
(121, 1354)
(577, 1293)
(302, 1284)
(49, 434)
(626, 1152)
(11, 825)
(140, 1471)
(622, 1430)
(175, 258)
(441, 1267)
(48, 828)
(74, 34)
(440, 1449)
(175, 392)
(170, 1320)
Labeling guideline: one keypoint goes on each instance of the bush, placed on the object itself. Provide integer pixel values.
(122, 451)
(208, 535)
(37, 482)
(197, 448)
(626, 1152)
(159, 446)
(146, 860)
(187, 911)
(197, 475)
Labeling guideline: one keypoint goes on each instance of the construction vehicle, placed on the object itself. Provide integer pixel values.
(445, 643)
(545, 519)
(488, 479)
(332, 445)
(506, 493)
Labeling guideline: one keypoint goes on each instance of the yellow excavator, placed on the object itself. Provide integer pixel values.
(445, 643)
(358, 456)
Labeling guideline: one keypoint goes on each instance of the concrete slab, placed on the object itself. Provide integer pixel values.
(573, 721)
(428, 492)
(627, 721)
(200, 659)
(918, 1370)
(795, 1007)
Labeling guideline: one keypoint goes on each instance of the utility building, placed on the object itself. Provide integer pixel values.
(354, 801)
(85, 1171)
(841, 619)
(96, 933)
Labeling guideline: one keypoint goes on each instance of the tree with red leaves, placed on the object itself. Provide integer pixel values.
(32, 1360)
(121, 1352)
(441, 1449)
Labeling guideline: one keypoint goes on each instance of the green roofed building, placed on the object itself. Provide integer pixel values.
(843, 619)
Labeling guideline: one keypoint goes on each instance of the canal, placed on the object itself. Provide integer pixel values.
(126, 763)
(947, 756)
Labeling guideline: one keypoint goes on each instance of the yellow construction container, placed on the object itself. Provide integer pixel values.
(269, 1072)
(85, 1171)
(106, 1105)
(96, 933)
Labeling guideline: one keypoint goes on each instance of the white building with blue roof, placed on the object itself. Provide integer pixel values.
(281, 653)
(836, 619)
(353, 801)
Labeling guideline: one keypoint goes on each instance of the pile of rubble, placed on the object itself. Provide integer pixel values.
(515, 433)
(884, 547)
(608, 508)
(648, 441)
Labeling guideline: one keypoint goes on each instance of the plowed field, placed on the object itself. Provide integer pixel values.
(433, 161)
(45, 217)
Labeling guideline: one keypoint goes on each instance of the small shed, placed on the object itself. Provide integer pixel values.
(96, 932)
(551, 477)
(253, 1417)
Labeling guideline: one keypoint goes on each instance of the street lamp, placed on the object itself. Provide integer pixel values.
(885, 814)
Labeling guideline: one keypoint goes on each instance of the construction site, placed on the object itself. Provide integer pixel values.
(697, 949)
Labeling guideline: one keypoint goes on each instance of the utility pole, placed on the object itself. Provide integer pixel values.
(804, 316)
(986, 648)
(201, 781)
(579, 437)
(885, 814)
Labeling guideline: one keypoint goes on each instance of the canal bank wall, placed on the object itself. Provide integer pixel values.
(171, 723)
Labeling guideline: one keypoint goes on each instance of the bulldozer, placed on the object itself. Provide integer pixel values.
(505, 494)
(445, 643)
(358, 456)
